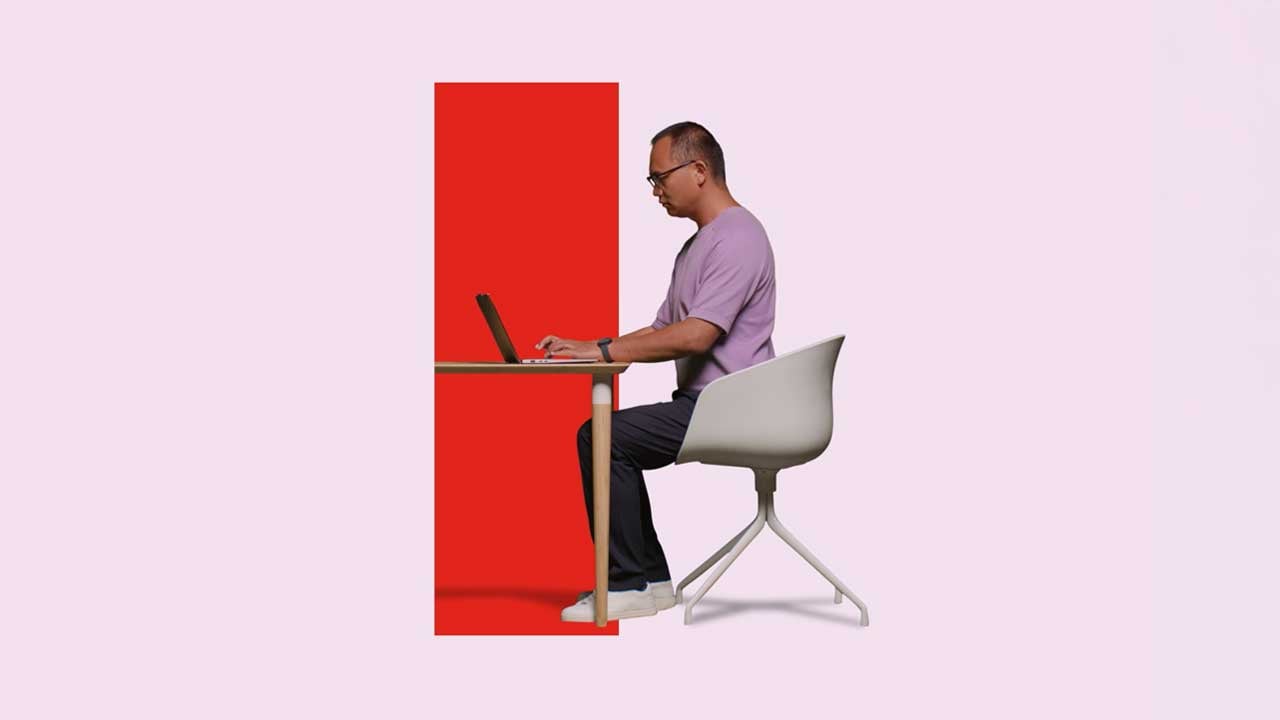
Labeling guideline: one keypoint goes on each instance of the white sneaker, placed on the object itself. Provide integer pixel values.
(622, 604)
(664, 594)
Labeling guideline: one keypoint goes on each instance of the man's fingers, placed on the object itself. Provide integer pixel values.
(553, 344)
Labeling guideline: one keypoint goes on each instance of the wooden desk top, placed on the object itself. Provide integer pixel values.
(591, 368)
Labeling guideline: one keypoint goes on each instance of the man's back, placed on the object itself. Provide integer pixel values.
(724, 275)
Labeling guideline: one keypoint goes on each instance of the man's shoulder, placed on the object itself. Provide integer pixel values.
(740, 217)
(741, 231)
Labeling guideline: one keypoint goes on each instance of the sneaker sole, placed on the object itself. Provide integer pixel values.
(661, 603)
(641, 612)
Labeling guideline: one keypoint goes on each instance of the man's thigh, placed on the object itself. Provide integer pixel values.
(649, 435)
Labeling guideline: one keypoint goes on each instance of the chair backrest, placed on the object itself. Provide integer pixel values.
(772, 415)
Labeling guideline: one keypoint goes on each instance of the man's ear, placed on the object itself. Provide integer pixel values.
(703, 172)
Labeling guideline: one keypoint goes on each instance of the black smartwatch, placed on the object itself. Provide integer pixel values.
(604, 348)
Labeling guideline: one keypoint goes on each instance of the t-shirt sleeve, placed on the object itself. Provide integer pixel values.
(663, 318)
(727, 280)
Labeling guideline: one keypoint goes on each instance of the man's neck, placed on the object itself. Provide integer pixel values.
(712, 207)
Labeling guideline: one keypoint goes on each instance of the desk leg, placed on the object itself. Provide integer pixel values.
(601, 439)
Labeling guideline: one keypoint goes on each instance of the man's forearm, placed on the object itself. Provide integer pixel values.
(649, 345)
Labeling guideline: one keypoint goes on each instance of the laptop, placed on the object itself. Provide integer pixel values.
(504, 343)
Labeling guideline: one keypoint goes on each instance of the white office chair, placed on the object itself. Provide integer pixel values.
(772, 415)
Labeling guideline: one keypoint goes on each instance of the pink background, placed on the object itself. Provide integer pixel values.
(1048, 230)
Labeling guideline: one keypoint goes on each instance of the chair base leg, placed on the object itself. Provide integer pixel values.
(743, 540)
(709, 562)
(765, 515)
(840, 589)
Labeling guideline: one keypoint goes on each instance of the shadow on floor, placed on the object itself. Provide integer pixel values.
(540, 596)
(711, 609)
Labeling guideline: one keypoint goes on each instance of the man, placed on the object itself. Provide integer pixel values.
(717, 318)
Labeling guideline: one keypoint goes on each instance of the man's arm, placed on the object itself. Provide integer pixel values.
(691, 336)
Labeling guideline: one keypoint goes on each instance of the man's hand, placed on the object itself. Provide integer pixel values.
(570, 348)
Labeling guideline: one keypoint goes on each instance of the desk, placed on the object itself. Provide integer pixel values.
(601, 438)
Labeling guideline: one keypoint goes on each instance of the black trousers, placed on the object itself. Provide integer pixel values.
(645, 437)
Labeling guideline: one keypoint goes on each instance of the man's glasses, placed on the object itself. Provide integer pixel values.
(656, 178)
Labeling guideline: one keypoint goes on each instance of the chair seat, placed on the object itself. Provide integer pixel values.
(775, 414)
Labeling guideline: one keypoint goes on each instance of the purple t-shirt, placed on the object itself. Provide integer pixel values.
(723, 274)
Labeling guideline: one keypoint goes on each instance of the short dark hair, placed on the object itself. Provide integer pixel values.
(691, 141)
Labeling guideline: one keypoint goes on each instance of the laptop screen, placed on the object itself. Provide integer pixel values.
(495, 326)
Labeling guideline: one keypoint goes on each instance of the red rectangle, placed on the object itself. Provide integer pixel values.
(526, 209)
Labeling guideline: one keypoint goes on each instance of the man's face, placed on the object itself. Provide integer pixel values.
(677, 191)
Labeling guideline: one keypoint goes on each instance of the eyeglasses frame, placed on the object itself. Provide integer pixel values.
(655, 179)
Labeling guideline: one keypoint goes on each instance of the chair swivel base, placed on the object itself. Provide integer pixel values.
(764, 515)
